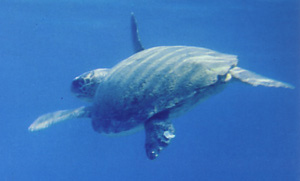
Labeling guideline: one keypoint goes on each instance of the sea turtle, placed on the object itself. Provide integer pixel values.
(150, 88)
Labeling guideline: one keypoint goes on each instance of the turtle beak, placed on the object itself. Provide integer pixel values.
(77, 85)
(82, 90)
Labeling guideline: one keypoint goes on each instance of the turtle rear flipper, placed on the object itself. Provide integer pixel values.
(47, 120)
(159, 132)
(255, 79)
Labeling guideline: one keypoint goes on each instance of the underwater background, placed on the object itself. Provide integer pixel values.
(242, 133)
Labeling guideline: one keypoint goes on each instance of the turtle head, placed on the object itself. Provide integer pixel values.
(84, 86)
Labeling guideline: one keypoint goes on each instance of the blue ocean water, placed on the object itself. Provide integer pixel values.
(243, 133)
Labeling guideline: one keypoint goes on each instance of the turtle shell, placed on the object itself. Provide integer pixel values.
(161, 79)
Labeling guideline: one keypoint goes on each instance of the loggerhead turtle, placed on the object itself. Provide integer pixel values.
(150, 88)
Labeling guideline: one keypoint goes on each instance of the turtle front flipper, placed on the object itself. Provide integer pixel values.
(159, 132)
(47, 120)
(136, 41)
